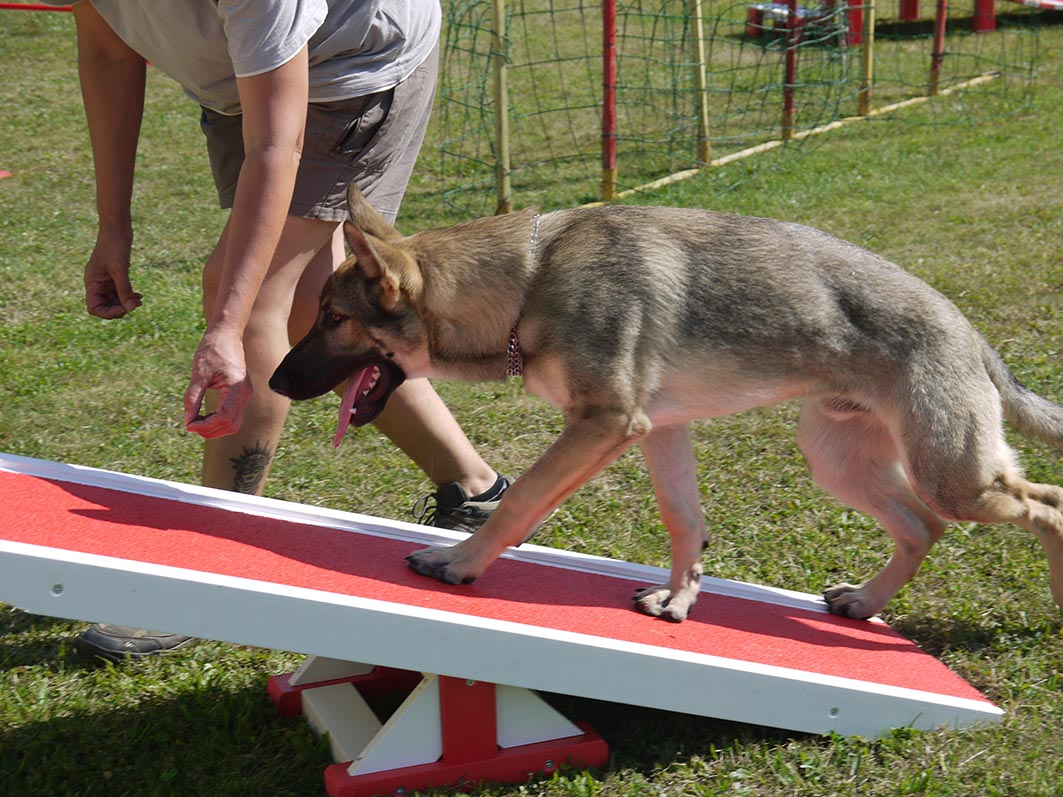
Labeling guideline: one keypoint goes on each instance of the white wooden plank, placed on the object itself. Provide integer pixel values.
(82, 586)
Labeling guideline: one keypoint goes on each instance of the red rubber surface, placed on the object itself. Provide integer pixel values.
(146, 529)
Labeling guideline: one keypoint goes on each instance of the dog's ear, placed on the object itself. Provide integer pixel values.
(369, 262)
(365, 217)
(372, 265)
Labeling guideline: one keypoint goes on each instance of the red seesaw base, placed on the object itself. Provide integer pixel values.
(449, 732)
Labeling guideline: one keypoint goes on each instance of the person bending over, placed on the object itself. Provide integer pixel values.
(298, 99)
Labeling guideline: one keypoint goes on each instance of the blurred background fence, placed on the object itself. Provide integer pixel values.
(532, 112)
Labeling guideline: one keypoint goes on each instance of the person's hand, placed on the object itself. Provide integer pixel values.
(108, 293)
(218, 365)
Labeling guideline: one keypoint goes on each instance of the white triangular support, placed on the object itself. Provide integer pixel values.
(411, 736)
(318, 669)
(339, 712)
(525, 718)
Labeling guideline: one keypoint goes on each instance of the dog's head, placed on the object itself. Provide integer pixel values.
(366, 323)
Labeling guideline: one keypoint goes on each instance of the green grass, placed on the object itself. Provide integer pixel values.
(974, 208)
(554, 74)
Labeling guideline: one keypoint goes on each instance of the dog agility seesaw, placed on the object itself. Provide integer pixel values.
(87, 544)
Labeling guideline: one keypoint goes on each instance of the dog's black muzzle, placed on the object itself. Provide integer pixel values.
(310, 371)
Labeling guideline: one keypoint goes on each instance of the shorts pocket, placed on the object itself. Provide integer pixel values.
(363, 125)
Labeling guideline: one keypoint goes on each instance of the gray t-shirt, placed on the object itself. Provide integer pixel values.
(356, 47)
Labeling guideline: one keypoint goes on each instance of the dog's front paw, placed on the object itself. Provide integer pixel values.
(848, 600)
(440, 563)
(663, 602)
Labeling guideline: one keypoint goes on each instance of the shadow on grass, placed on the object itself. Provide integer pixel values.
(646, 740)
(229, 743)
(15, 621)
(940, 635)
(28, 639)
(937, 635)
(214, 741)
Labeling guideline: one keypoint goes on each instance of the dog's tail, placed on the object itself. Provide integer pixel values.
(1030, 413)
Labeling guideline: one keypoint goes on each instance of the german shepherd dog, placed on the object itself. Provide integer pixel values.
(634, 321)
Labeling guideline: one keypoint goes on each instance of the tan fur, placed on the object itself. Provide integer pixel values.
(635, 321)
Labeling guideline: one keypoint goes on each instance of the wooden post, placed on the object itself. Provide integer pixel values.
(704, 149)
(793, 32)
(867, 62)
(503, 188)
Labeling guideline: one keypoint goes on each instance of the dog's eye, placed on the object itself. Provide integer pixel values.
(334, 318)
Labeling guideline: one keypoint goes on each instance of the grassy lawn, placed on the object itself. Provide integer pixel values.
(974, 206)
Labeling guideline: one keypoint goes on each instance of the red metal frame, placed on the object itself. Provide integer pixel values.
(515, 765)
(33, 7)
(471, 754)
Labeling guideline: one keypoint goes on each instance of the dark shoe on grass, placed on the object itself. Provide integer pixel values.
(450, 507)
(116, 642)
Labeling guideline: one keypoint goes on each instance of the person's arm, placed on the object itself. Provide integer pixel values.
(112, 86)
(274, 110)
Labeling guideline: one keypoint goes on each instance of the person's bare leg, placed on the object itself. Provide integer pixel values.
(241, 461)
(418, 422)
(415, 419)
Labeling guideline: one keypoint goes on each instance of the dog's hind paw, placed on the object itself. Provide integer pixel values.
(662, 602)
(848, 600)
(437, 563)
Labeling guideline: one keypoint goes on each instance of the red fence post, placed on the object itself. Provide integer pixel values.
(937, 56)
(855, 19)
(608, 100)
(985, 16)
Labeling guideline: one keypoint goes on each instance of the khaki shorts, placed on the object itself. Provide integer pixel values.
(372, 140)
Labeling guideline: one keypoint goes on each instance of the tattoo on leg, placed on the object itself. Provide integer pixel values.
(249, 469)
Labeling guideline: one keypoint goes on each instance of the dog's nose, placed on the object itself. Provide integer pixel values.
(279, 383)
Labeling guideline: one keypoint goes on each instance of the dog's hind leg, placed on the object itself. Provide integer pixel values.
(852, 455)
(670, 458)
(972, 474)
(1009, 498)
(1039, 508)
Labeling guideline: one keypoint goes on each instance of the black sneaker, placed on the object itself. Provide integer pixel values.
(116, 642)
(450, 507)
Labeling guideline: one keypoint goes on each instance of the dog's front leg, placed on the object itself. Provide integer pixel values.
(587, 445)
(669, 455)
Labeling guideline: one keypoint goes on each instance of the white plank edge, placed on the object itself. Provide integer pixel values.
(82, 586)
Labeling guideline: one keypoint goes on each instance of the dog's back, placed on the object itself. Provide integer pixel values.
(688, 292)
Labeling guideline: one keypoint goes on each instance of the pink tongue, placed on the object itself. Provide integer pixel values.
(355, 385)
